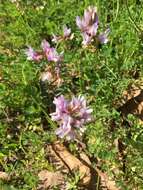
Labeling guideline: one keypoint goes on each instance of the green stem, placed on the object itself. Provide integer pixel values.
(20, 144)
(111, 71)
(131, 18)
(23, 74)
(117, 10)
(46, 115)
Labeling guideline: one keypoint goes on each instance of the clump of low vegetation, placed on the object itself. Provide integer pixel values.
(71, 95)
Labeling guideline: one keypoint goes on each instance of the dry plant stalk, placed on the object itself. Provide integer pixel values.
(73, 163)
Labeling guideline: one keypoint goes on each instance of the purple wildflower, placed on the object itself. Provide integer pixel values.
(103, 38)
(71, 116)
(50, 52)
(89, 23)
(33, 55)
(53, 55)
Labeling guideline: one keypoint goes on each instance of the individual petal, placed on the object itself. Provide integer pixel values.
(77, 103)
(103, 38)
(82, 101)
(65, 128)
(87, 17)
(61, 108)
(66, 31)
(86, 116)
(30, 53)
(93, 12)
(86, 39)
(45, 46)
(56, 116)
(79, 22)
(89, 111)
(96, 19)
(92, 30)
(61, 103)
(60, 132)
(74, 102)
(90, 16)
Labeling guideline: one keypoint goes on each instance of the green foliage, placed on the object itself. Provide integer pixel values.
(73, 182)
(102, 75)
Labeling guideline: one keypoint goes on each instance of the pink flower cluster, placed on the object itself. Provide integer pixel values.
(89, 26)
(71, 116)
(47, 52)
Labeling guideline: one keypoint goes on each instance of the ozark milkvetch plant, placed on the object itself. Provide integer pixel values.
(71, 116)
(27, 89)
